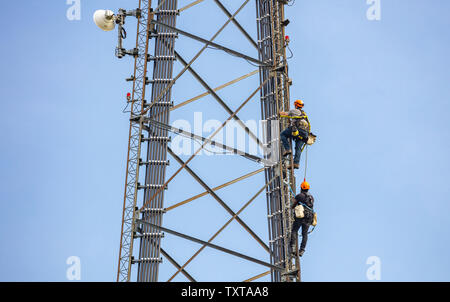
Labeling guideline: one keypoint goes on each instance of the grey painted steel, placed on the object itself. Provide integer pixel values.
(218, 99)
(219, 200)
(268, 110)
(274, 98)
(242, 30)
(202, 50)
(155, 173)
(177, 265)
(211, 245)
(134, 147)
(204, 139)
(205, 41)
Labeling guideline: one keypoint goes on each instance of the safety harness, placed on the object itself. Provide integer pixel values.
(303, 124)
(303, 116)
(313, 212)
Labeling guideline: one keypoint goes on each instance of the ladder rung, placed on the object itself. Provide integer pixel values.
(155, 162)
(153, 210)
(280, 262)
(147, 260)
(160, 104)
(160, 81)
(150, 186)
(161, 58)
(165, 34)
(290, 272)
(276, 239)
(274, 214)
(263, 17)
(264, 39)
(167, 11)
(267, 95)
(157, 138)
(272, 117)
(148, 235)
(273, 190)
(156, 35)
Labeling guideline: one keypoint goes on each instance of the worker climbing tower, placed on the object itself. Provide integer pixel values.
(142, 247)
(275, 98)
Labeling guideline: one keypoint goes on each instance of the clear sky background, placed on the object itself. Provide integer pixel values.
(378, 97)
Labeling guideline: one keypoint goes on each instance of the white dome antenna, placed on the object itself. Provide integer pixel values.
(105, 19)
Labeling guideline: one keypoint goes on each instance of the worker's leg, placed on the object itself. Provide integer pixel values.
(305, 228)
(285, 136)
(298, 150)
(294, 233)
(299, 142)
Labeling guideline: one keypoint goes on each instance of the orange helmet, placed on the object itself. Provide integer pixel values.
(305, 185)
(298, 104)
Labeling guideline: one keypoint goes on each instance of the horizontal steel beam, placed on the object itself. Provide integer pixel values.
(223, 227)
(215, 90)
(210, 43)
(218, 99)
(157, 99)
(146, 203)
(171, 260)
(203, 139)
(214, 189)
(218, 199)
(211, 245)
(257, 277)
(241, 29)
(190, 5)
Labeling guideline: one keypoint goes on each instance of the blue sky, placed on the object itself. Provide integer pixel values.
(377, 93)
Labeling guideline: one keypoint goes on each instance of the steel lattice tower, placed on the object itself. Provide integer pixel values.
(149, 136)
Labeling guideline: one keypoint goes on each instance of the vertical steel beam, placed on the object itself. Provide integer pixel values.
(275, 98)
(163, 58)
(134, 146)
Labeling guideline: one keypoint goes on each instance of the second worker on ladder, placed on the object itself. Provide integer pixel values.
(299, 129)
(306, 219)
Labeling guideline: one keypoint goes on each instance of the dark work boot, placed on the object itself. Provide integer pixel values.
(293, 248)
(296, 166)
(301, 252)
(286, 153)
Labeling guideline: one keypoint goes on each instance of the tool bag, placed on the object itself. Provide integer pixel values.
(299, 211)
(314, 222)
(311, 139)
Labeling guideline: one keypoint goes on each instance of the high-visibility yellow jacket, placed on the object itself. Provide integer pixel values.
(299, 119)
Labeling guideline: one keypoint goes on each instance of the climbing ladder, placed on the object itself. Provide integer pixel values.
(154, 139)
(145, 222)
(275, 98)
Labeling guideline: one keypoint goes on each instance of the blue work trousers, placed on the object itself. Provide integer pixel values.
(287, 134)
